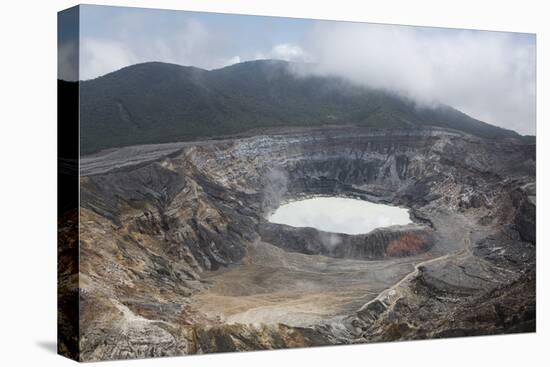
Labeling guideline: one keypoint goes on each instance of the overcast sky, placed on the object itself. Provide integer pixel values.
(488, 75)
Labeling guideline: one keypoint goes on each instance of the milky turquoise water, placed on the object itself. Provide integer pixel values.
(339, 215)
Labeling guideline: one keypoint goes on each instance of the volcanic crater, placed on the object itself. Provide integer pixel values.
(188, 262)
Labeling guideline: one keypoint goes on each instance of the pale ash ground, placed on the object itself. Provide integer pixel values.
(339, 215)
(273, 286)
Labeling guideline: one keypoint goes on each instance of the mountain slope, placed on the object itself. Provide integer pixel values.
(158, 102)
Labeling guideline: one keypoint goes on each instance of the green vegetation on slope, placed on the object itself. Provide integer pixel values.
(158, 102)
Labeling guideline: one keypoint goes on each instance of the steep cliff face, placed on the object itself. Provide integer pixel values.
(375, 245)
(169, 233)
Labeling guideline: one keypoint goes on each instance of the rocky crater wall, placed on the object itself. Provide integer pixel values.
(380, 243)
(202, 204)
(150, 229)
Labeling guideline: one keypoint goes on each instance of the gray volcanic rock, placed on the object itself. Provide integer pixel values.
(176, 256)
(378, 244)
(525, 219)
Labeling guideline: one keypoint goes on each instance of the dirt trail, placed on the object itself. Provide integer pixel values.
(390, 295)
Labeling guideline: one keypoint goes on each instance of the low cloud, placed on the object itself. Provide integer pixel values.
(275, 187)
(231, 61)
(99, 57)
(285, 51)
(489, 75)
(189, 42)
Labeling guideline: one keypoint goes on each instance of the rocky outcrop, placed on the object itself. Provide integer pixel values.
(234, 338)
(525, 218)
(508, 308)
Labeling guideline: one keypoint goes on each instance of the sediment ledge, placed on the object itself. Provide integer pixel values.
(406, 240)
